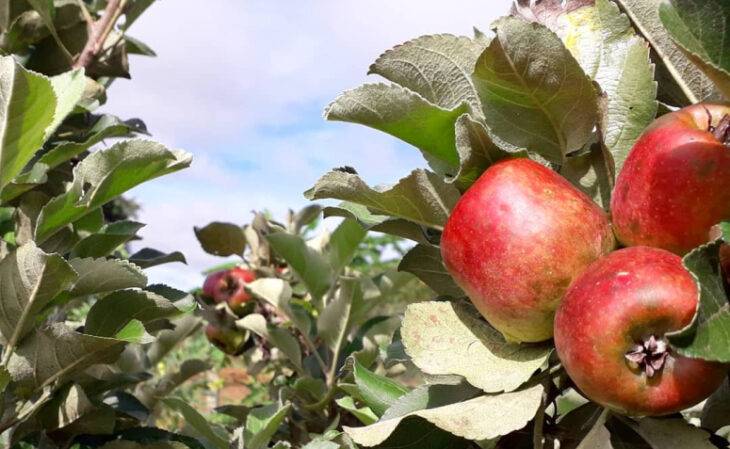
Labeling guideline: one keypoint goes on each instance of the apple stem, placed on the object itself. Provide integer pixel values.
(722, 130)
(648, 356)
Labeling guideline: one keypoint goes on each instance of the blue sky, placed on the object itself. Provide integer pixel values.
(241, 84)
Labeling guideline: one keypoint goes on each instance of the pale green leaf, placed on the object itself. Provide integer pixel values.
(217, 436)
(105, 275)
(279, 337)
(481, 418)
(449, 338)
(681, 83)
(56, 352)
(700, 27)
(422, 197)
(406, 115)
(104, 175)
(601, 39)
(438, 67)
(535, 95)
(307, 263)
(708, 336)
(344, 241)
(27, 108)
(424, 261)
(333, 322)
(262, 423)
(109, 315)
(364, 414)
(29, 280)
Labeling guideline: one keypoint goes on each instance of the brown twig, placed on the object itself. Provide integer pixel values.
(100, 32)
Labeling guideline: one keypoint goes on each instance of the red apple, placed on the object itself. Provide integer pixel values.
(672, 188)
(610, 334)
(229, 341)
(228, 286)
(517, 239)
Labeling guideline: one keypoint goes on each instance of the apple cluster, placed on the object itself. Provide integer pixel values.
(539, 260)
(228, 288)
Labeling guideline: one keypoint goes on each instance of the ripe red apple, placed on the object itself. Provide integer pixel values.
(672, 188)
(228, 286)
(610, 334)
(517, 239)
(229, 341)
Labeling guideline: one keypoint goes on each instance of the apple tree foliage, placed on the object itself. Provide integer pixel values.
(80, 325)
(570, 84)
(319, 318)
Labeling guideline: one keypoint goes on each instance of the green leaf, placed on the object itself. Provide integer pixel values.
(421, 197)
(277, 336)
(69, 88)
(278, 293)
(27, 107)
(56, 352)
(590, 173)
(378, 392)
(706, 337)
(310, 267)
(105, 275)
(104, 175)
(716, 411)
(134, 332)
(334, 321)
(476, 151)
(221, 239)
(106, 126)
(107, 239)
(481, 418)
(364, 414)
(137, 47)
(344, 241)
(217, 436)
(109, 315)
(406, 115)
(680, 82)
(322, 445)
(262, 423)
(148, 257)
(535, 95)
(449, 338)
(424, 261)
(430, 396)
(603, 42)
(378, 223)
(700, 29)
(437, 67)
(673, 433)
(29, 280)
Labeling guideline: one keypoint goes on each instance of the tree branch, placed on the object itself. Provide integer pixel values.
(99, 33)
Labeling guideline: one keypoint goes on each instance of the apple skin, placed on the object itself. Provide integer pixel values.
(228, 286)
(228, 341)
(673, 185)
(621, 300)
(517, 239)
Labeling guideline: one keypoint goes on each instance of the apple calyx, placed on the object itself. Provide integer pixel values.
(722, 130)
(648, 356)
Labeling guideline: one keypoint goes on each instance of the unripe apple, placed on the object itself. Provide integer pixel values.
(229, 341)
(517, 239)
(610, 334)
(673, 185)
(228, 286)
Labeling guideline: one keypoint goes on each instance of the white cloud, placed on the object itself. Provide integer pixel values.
(241, 85)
